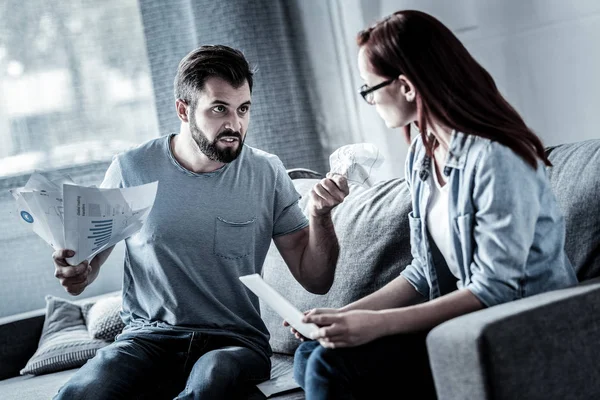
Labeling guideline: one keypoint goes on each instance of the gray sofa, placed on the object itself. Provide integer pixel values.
(542, 347)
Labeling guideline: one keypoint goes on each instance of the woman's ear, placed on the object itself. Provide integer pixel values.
(407, 89)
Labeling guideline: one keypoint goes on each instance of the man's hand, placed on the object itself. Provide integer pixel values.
(73, 278)
(346, 329)
(328, 193)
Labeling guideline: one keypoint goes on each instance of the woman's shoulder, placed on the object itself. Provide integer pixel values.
(480, 155)
(494, 161)
(494, 154)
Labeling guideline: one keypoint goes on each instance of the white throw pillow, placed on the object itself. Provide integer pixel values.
(103, 318)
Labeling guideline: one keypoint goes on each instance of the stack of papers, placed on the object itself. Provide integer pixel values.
(357, 162)
(84, 219)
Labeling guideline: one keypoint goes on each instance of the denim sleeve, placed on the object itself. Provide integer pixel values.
(414, 272)
(506, 198)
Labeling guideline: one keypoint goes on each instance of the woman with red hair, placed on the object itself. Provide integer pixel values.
(485, 226)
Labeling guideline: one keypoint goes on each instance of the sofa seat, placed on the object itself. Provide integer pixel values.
(30, 387)
(19, 336)
(21, 387)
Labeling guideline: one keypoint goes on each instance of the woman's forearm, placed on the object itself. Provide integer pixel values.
(397, 293)
(427, 315)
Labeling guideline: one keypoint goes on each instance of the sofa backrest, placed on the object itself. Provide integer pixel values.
(372, 228)
(575, 179)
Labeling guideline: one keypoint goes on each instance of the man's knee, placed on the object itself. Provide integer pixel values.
(69, 391)
(225, 371)
(217, 363)
(95, 378)
(80, 386)
(210, 379)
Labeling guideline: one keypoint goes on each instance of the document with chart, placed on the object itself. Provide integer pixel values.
(85, 219)
(96, 219)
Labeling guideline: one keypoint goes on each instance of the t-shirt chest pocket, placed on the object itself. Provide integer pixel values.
(234, 239)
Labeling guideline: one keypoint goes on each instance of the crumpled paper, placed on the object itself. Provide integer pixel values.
(356, 162)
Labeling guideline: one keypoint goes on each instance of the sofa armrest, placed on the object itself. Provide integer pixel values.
(542, 347)
(19, 337)
(304, 173)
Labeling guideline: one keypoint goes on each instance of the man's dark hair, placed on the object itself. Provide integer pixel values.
(206, 62)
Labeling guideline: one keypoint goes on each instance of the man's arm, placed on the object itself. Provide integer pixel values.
(75, 278)
(311, 253)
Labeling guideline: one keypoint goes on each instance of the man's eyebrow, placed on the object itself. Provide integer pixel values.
(224, 103)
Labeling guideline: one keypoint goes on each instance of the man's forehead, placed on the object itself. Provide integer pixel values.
(219, 89)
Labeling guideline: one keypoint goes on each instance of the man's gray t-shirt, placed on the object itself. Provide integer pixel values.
(204, 231)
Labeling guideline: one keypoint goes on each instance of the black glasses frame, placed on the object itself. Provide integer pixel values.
(365, 90)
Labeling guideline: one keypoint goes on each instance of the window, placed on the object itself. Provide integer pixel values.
(75, 84)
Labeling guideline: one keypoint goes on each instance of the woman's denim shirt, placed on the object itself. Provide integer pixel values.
(506, 228)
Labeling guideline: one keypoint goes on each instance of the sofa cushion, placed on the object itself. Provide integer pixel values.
(65, 342)
(575, 181)
(103, 318)
(372, 229)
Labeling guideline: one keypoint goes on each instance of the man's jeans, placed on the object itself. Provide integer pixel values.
(166, 364)
(394, 364)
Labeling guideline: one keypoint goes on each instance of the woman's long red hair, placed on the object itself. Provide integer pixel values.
(452, 88)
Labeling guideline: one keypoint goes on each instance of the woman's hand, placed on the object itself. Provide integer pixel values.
(346, 329)
(298, 335)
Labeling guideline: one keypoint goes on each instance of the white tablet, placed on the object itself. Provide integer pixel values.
(278, 303)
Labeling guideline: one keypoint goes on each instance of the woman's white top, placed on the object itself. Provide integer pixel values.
(438, 222)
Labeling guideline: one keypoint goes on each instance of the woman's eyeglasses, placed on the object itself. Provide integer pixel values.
(367, 92)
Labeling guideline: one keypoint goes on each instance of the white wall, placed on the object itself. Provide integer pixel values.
(543, 54)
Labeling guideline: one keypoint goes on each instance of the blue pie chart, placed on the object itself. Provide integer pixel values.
(27, 217)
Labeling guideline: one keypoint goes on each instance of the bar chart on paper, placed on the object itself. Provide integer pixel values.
(100, 232)
(98, 218)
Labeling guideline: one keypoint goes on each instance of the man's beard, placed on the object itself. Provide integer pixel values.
(210, 149)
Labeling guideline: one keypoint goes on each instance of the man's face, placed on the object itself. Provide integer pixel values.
(220, 118)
